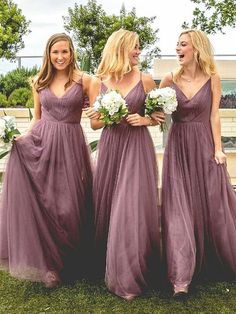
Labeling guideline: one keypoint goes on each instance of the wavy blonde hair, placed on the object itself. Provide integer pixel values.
(203, 52)
(47, 72)
(115, 61)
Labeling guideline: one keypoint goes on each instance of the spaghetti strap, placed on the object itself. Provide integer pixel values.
(81, 79)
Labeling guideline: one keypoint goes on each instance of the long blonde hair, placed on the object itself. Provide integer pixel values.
(203, 52)
(47, 72)
(115, 61)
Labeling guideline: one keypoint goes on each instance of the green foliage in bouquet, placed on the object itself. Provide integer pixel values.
(111, 106)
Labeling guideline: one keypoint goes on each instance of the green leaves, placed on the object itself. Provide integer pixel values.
(212, 16)
(91, 26)
(93, 145)
(17, 78)
(5, 150)
(13, 26)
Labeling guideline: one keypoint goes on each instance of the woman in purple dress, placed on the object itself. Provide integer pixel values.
(47, 186)
(127, 217)
(199, 204)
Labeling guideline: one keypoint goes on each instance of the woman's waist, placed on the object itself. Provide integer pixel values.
(60, 119)
(189, 122)
(124, 130)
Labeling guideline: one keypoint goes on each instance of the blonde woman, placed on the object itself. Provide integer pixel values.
(199, 204)
(47, 188)
(125, 181)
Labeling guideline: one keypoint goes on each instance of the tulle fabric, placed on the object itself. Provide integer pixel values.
(199, 204)
(127, 217)
(46, 196)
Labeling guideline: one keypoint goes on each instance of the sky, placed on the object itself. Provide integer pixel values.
(46, 19)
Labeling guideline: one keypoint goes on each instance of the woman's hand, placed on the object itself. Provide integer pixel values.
(220, 157)
(158, 116)
(20, 137)
(137, 120)
(91, 114)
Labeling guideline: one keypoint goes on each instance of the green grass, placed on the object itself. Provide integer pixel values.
(83, 297)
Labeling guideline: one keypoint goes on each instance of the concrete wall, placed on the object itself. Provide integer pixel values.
(226, 68)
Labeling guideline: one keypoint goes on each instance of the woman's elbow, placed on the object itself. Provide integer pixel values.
(95, 126)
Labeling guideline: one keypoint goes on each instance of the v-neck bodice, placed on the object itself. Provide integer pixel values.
(67, 108)
(196, 109)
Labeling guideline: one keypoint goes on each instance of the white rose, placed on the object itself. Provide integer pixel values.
(10, 122)
(169, 107)
(154, 93)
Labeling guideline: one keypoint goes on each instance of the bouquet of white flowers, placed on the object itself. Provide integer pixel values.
(8, 128)
(161, 99)
(112, 107)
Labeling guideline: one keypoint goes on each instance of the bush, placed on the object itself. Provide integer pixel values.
(19, 97)
(16, 79)
(3, 100)
(30, 102)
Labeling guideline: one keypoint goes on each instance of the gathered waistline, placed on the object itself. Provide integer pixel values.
(60, 121)
(184, 122)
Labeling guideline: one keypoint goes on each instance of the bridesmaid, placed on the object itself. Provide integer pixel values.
(127, 217)
(199, 204)
(48, 182)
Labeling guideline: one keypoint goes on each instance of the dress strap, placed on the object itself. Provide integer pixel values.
(81, 79)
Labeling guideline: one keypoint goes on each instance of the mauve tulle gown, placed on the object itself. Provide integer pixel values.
(47, 193)
(126, 203)
(199, 203)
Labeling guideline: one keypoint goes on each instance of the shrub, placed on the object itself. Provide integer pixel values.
(16, 79)
(19, 97)
(30, 102)
(3, 100)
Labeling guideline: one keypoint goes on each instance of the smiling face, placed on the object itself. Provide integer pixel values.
(60, 55)
(185, 50)
(134, 55)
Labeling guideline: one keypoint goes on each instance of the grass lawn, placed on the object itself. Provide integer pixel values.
(83, 297)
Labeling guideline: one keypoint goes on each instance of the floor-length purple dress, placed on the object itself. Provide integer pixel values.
(47, 192)
(199, 203)
(126, 209)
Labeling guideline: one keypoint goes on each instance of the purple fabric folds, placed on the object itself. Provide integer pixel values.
(199, 204)
(47, 191)
(126, 203)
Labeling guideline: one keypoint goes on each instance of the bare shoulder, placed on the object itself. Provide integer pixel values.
(148, 82)
(167, 80)
(95, 81)
(93, 86)
(215, 79)
(146, 77)
(86, 78)
(78, 75)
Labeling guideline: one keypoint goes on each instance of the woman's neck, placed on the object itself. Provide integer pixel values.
(191, 73)
(126, 77)
(61, 77)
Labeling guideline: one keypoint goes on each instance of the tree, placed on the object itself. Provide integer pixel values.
(212, 16)
(91, 26)
(13, 26)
